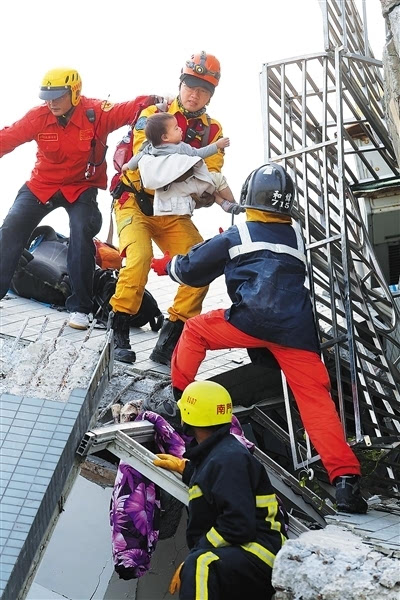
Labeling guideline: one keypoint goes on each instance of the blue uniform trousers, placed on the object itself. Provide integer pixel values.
(226, 573)
(85, 222)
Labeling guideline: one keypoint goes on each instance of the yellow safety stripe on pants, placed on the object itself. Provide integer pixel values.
(202, 570)
(270, 502)
(216, 539)
(195, 492)
(262, 553)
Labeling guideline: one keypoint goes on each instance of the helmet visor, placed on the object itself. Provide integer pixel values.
(192, 82)
(52, 93)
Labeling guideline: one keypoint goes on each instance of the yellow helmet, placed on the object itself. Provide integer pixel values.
(205, 403)
(57, 82)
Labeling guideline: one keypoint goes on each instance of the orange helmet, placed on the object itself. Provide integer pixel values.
(204, 67)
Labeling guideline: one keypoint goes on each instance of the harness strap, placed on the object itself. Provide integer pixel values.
(206, 136)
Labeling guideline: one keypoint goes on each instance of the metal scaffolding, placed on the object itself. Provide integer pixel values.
(323, 119)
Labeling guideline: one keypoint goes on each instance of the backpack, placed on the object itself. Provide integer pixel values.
(42, 275)
(104, 284)
(123, 153)
(42, 272)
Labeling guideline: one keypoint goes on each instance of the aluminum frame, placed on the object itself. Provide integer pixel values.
(317, 112)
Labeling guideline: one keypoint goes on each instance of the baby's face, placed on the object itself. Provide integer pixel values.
(173, 134)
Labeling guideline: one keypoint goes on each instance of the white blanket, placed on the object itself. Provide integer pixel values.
(171, 197)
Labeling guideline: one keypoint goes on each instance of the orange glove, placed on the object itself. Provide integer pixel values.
(175, 584)
(170, 462)
(158, 264)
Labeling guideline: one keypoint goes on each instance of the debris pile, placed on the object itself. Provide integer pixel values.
(336, 564)
(131, 391)
(48, 369)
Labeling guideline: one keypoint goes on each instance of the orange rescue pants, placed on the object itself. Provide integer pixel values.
(305, 372)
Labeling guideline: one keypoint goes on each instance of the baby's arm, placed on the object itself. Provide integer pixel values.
(132, 165)
(223, 142)
(206, 151)
(213, 148)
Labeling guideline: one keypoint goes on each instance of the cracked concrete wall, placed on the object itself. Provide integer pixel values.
(391, 65)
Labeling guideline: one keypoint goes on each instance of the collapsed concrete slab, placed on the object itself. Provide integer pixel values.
(333, 564)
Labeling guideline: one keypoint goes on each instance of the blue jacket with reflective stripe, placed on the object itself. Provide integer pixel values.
(265, 273)
(232, 501)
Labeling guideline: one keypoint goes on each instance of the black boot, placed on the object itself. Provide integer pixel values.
(348, 495)
(163, 402)
(168, 338)
(177, 393)
(122, 346)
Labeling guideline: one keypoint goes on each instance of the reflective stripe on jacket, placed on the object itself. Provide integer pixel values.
(63, 152)
(231, 500)
(265, 273)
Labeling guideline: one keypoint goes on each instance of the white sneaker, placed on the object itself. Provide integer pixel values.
(79, 320)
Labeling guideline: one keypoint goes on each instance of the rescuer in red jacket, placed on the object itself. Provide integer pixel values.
(71, 134)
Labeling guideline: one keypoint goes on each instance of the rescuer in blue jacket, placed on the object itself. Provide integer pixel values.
(235, 527)
(264, 265)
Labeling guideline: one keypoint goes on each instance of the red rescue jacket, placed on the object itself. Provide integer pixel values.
(63, 152)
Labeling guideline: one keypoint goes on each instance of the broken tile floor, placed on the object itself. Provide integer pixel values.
(14, 311)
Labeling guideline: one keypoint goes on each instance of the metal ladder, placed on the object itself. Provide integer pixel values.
(318, 110)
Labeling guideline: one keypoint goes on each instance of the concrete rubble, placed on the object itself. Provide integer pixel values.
(48, 369)
(134, 390)
(334, 564)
